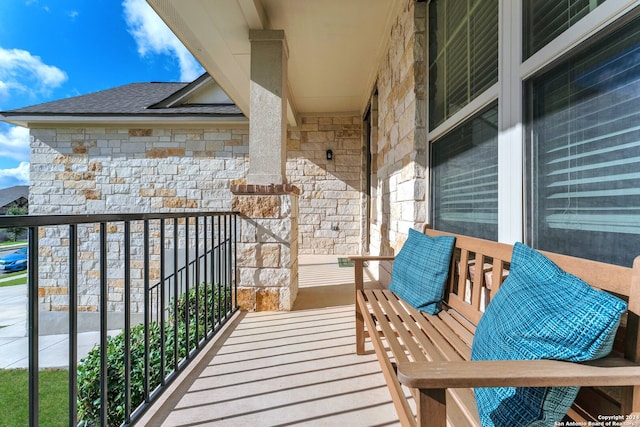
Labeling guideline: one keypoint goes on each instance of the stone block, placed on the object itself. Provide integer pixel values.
(256, 206)
(321, 136)
(246, 298)
(314, 170)
(268, 255)
(333, 185)
(288, 297)
(140, 132)
(273, 277)
(167, 169)
(267, 300)
(274, 231)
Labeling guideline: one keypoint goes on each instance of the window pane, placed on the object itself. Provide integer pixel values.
(463, 54)
(465, 178)
(545, 20)
(585, 152)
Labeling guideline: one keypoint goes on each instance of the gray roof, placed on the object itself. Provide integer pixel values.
(11, 194)
(135, 99)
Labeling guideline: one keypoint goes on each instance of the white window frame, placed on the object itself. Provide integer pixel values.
(512, 73)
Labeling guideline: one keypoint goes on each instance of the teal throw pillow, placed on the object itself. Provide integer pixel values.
(541, 312)
(420, 270)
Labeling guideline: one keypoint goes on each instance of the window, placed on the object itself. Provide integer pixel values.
(584, 152)
(544, 20)
(465, 177)
(463, 54)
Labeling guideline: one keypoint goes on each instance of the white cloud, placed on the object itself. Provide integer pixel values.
(15, 176)
(14, 143)
(23, 73)
(14, 150)
(154, 37)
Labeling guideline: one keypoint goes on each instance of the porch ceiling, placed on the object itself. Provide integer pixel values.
(335, 46)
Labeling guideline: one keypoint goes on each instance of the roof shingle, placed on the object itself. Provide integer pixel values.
(127, 100)
(11, 194)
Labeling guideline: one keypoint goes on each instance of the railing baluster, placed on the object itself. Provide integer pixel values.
(219, 273)
(206, 286)
(229, 267)
(235, 259)
(213, 272)
(104, 291)
(127, 321)
(175, 294)
(163, 296)
(34, 365)
(147, 308)
(197, 280)
(227, 253)
(73, 324)
(187, 305)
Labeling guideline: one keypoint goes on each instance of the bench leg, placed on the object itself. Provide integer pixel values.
(359, 279)
(432, 408)
(359, 332)
(635, 401)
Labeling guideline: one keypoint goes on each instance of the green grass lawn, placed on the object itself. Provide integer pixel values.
(13, 243)
(14, 397)
(16, 281)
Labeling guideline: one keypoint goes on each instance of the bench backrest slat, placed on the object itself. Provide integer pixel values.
(477, 279)
(487, 266)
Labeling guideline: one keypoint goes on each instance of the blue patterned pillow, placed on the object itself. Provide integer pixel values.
(420, 270)
(541, 312)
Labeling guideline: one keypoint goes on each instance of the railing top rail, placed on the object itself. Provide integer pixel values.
(50, 220)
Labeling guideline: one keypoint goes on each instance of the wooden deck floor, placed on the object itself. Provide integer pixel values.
(286, 368)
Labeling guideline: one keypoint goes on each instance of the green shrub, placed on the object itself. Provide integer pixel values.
(89, 367)
(89, 375)
(206, 302)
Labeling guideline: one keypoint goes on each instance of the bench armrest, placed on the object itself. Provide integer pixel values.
(518, 373)
(358, 267)
(358, 276)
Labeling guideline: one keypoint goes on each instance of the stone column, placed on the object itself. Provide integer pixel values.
(267, 246)
(268, 107)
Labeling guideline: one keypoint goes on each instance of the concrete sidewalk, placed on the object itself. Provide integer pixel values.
(14, 344)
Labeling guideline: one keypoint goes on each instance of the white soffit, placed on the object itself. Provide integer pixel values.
(335, 46)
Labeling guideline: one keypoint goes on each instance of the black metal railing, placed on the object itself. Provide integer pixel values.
(176, 273)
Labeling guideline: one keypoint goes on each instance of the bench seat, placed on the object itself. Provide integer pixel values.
(425, 359)
(412, 336)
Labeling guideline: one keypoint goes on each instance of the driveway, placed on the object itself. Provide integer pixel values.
(13, 310)
(14, 343)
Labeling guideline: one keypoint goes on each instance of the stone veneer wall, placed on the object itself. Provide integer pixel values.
(93, 170)
(331, 197)
(99, 170)
(401, 152)
(267, 246)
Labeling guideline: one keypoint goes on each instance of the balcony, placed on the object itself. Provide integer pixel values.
(234, 367)
(286, 368)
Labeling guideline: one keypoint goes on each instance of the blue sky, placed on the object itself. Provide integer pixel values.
(54, 49)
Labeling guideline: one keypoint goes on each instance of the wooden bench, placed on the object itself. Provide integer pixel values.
(426, 359)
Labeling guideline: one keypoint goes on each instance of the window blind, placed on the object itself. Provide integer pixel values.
(545, 20)
(463, 54)
(586, 145)
(465, 177)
